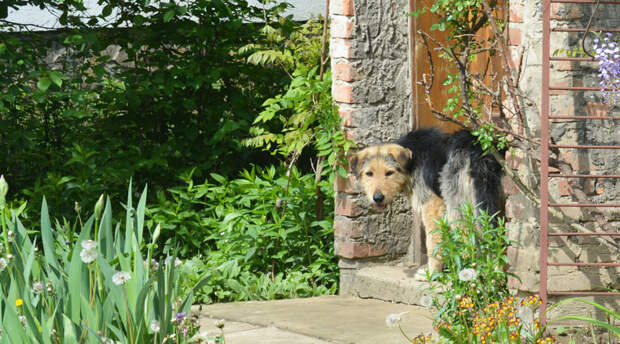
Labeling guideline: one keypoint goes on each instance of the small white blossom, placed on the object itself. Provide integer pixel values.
(121, 277)
(177, 262)
(426, 301)
(468, 274)
(37, 287)
(394, 319)
(88, 255)
(107, 340)
(89, 245)
(155, 326)
(22, 319)
(2, 264)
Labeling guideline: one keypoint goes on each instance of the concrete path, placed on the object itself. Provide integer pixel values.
(318, 320)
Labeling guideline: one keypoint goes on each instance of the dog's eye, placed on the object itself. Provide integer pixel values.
(389, 173)
(369, 174)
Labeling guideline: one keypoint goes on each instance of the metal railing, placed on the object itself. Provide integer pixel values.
(546, 120)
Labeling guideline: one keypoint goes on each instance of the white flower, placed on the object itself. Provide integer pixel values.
(107, 340)
(177, 262)
(155, 326)
(426, 301)
(89, 245)
(2, 264)
(88, 255)
(393, 320)
(121, 277)
(22, 319)
(37, 287)
(468, 274)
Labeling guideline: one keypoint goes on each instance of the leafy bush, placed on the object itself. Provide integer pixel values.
(99, 288)
(258, 229)
(83, 123)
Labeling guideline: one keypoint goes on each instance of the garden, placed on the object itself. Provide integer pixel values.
(156, 155)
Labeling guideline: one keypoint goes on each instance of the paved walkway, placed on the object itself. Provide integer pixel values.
(318, 320)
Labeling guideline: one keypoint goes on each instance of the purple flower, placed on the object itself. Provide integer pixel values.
(607, 53)
(181, 315)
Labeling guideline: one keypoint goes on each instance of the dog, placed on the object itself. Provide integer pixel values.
(440, 172)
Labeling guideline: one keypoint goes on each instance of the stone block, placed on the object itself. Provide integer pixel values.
(515, 12)
(341, 27)
(342, 92)
(514, 36)
(561, 11)
(356, 249)
(347, 206)
(340, 48)
(344, 71)
(341, 7)
(347, 228)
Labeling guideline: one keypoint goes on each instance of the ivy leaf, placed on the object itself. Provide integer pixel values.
(44, 83)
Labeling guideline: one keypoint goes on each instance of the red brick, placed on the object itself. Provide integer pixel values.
(346, 206)
(510, 188)
(516, 12)
(339, 47)
(344, 71)
(513, 160)
(565, 65)
(514, 36)
(346, 185)
(514, 209)
(353, 249)
(343, 93)
(341, 27)
(564, 187)
(597, 109)
(346, 115)
(346, 228)
(342, 7)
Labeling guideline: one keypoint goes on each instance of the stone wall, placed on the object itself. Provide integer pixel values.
(525, 33)
(371, 85)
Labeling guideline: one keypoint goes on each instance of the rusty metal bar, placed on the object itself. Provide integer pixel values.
(583, 205)
(583, 293)
(584, 2)
(586, 234)
(602, 176)
(584, 59)
(611, 265)
(581, 88)
(581, 29)
(586, 146)
(544, 160)
(585, 117)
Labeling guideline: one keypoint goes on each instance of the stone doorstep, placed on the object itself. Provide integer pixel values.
(389, 283)
(316, 320)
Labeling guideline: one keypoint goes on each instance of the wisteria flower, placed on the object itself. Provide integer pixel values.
(155, 327)
(468, 274)
(121, 277)
(2, 264)
(394, 319)
(607, 54)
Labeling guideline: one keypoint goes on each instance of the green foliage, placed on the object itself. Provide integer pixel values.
(91, 285)
(473, 253)
(78, 118)
(253, 247)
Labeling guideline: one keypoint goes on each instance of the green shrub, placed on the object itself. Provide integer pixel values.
(259, 234)
(94, 289)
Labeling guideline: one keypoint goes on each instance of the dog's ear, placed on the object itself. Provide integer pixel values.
(355, 162)
(403, 156)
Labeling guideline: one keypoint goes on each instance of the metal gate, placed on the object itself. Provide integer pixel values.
(546, 120)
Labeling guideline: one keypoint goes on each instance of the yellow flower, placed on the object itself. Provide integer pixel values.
(19, 302)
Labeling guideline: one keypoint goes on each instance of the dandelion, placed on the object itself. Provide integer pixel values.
(3, 264)
(155, 327)
(37, 287)
(89, 245)
(468, 274)
(19, 302)
(394, 319)
(88, 255)
(121, 277)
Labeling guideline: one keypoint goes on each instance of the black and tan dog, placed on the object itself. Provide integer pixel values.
(440, 172)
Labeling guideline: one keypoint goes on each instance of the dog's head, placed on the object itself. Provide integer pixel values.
(382, 172)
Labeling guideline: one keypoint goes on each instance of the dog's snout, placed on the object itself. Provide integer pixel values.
(378, 197)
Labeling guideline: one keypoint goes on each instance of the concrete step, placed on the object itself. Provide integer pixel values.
(316, 320)
(389, 283)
